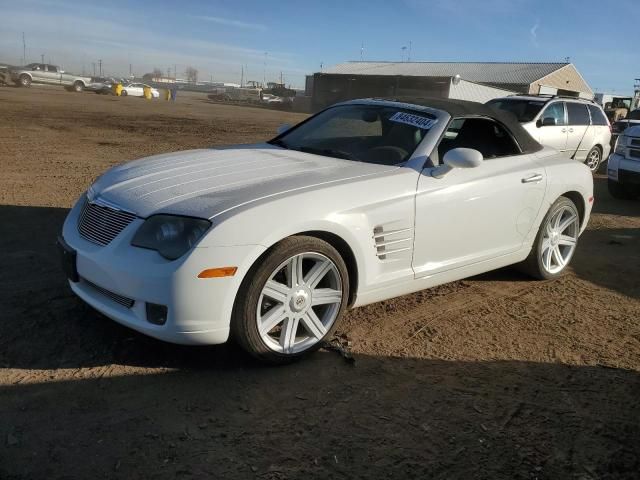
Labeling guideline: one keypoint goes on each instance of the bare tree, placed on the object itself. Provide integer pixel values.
(157, 73)
(192, 74)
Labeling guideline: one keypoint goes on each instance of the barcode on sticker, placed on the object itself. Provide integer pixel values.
(414, 120)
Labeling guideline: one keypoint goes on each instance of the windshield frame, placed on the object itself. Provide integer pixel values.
(418, 160)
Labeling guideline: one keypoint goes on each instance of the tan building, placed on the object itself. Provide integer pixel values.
(521, 77)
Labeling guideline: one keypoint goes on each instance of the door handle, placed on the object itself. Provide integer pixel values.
(571, 130)
(564, 130)
(535, 178)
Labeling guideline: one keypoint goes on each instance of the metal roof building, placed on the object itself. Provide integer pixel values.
(442, 79)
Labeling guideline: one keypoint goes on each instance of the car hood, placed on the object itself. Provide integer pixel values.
(208, 182)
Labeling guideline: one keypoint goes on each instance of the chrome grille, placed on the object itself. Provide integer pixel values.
(100, 224)
(122, 300)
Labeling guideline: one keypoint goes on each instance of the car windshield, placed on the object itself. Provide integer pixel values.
(524, 110)
(378, 134)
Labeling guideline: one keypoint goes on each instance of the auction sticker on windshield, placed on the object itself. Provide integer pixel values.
(414, 120)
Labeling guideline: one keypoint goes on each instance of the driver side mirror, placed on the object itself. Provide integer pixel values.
(283, 128)
(546, 122)
(458, 158)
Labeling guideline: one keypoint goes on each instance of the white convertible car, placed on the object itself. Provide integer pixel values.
(367, 200)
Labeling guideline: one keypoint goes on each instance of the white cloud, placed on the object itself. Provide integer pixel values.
(229, 22)
(534, 34)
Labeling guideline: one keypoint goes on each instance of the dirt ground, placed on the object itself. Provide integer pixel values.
(495, 377)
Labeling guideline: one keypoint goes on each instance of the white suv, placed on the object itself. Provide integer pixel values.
(623, 169)
(575, 127)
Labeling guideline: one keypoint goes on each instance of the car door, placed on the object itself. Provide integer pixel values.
(51, 74)
(580, 136)
(554, 136)
(476, 214)
(38, 73)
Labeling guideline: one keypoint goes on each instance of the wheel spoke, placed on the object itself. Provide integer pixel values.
(313, 324)
(294, 271)
(288, 334)
(567, 240)
(272, 318)
(546, 258)
(317, 273)
(323, 296)
(276, 290)
(557, 256)
(565, 223)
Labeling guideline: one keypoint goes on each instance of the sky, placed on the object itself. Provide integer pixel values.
(221, 39)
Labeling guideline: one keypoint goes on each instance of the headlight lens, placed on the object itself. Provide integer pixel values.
(171, 236)
(621, 144)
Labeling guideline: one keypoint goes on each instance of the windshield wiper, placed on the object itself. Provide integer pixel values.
(278, 142)
(327, 152)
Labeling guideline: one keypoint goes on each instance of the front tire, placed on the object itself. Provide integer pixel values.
(621, 191)
(123, 93)
(291, 300)
(78, 87)
(555, 242)
(594, 159)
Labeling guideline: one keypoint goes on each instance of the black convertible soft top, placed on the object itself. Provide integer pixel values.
(464, 108)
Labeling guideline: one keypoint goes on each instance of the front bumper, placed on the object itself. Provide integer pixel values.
(199, 310)
(623, 170)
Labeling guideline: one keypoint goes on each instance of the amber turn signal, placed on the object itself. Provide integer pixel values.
(218, 272)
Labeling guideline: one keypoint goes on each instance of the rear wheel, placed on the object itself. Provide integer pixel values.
(555, 242)
(24, 81)
(594, 158)
(78, 87)
(123, 93)
(291, 301)
(621, 191)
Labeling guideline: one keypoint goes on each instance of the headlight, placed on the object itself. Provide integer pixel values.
(171, 236)
(621, 144)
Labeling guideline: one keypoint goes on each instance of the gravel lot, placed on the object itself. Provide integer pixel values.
(492, 377)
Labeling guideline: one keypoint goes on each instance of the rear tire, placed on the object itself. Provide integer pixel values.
(123, 93)
(24, 81)
(594, 159)
(291, 300)
(555, 242)
(78, 87)
(621, 191)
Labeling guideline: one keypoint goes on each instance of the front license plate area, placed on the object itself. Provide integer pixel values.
(68, 259)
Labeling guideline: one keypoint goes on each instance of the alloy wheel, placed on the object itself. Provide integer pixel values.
(560, 239)
(299, 303)
(593, 160)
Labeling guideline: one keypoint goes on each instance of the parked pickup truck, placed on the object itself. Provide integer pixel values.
(48, 74)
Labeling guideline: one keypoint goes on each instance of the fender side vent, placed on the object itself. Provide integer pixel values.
(391, 243)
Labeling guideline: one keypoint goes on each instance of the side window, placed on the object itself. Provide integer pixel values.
(578, 114)
(51, 68)
(482, 134)
(597, 116)
(555, 110)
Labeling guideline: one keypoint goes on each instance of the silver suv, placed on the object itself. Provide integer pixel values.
(575, 127)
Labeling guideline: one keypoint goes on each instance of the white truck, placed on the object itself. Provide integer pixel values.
(47, 74)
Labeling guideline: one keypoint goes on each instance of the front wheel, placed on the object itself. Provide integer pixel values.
(555, 242)
(594, 158)
(78, 87)
(291, 301)
(123, 93)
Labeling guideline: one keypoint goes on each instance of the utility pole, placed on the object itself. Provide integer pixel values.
(264, 72)
(42, 58)
(129, 70)
(409, 59)
(403, 50)
(281, 83)
(175, 72)
(362, 51)
(100, 64)
(242, 76)
(94, 68)
(24, 50)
